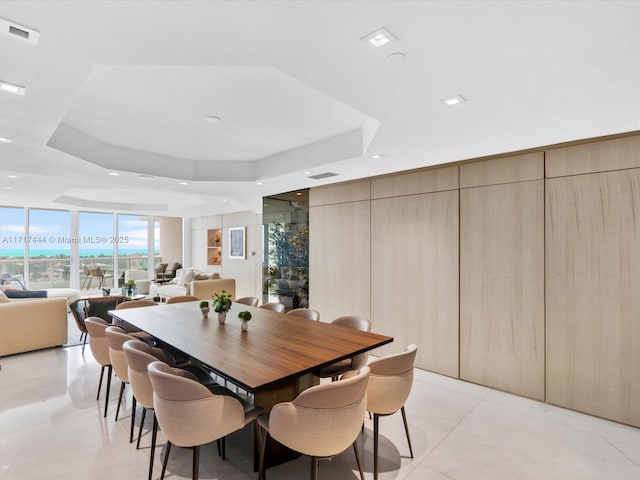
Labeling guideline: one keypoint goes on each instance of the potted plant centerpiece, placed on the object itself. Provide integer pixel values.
(222, 304)
(130, 288)
(204, 308)
(245, 317)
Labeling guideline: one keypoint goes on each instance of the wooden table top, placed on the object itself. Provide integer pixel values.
(276, 347)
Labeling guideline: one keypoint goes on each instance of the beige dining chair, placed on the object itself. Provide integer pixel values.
(321, 422)
(305, 313)
(139, 355)
(273, 306)
(96, 327)
(136, 303)
(190, 415)
(389, 388)
(181, 299)
(117, 338)
(334, 370)
(251, 301)
(130, 329)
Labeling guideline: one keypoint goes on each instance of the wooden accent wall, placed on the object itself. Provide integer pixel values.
(529, 263)
(593, 304)
(339, 257)
(414, 266)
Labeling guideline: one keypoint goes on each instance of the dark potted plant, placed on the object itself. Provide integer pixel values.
(244, 317)
(204, 308)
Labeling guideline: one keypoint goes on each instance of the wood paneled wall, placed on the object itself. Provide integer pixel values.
(414, 266)
(593, 300)
(541, 252)
(339, 258)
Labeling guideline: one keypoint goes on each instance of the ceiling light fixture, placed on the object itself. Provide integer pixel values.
(183, 183)
(376, 156)
(114, 174)
(213, 119)
(6, 140)
(13, 176)
(259, 183)
(144, 176)
(307, 172)
(453, 100)
(12, 88)
(380, 37)
(8, 188)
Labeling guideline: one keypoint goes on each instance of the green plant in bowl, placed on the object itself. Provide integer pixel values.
(222, 301)
(246, 316)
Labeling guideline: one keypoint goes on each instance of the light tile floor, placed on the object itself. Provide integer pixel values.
(52, 427)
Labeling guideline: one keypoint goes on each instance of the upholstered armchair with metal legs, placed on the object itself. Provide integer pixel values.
(321, 422)
(335, 370)
(389, 387)
(251, 301)
(139, 355)
(117, 338)
(190, 415)
(305, 313)
(96, 327)
(273, 306)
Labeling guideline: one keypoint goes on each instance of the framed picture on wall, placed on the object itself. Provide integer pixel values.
(237, 242)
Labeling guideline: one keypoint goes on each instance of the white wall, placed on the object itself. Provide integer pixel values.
(247, 272)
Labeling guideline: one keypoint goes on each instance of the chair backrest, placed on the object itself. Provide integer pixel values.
(323, 420)
(273, 306)
(359, 323)
(391, 381)
(305, 313)
(77, 308)
(136, 304)
(181, 404)
(139, 355)
(117, 338)
(99, 306)
(96, 327)
(251, 301)
(182, 298)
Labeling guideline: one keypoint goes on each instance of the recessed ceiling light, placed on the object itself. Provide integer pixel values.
(259, 183)
(8, 188)
(453, 100)
(377, 156)
(11, 88)
(213, 119)
(307, 172)
(298, 194)
(114, 174)
(144, 176)
(6, 140)
(13, 176)
(380, 37)
(225, 200)
(183, 183)
(397, 56)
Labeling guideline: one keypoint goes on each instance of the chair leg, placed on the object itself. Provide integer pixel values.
(355, 450)
(106, 400)
(154, 436)
(314, 468)
(406, 430)
(196, 461)
(376, 419)
(263, 435)
(144, 413)
(100, 383)
(219, 444)
(84, 343)
(224, 448)
(119, 400)
(133, 418)
(166, 457)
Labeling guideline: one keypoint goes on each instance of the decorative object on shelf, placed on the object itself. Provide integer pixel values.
(204, 308)
(222, 304)
(129, 289)
(245, 317)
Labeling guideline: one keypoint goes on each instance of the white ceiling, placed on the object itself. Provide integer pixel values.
(126, 86)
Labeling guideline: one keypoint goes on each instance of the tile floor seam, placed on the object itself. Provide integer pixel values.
(619, 450)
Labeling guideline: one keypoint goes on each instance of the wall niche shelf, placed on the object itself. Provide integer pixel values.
(214, 246)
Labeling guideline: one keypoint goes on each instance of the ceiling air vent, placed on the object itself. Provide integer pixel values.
(18, 31)
(320, 176)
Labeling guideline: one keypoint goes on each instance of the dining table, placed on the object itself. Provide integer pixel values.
(274, 359)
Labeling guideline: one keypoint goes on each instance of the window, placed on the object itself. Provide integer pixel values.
(49, 245)
(12, 240)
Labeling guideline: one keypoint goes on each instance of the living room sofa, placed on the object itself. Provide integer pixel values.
(32, 324)
(203, 289)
